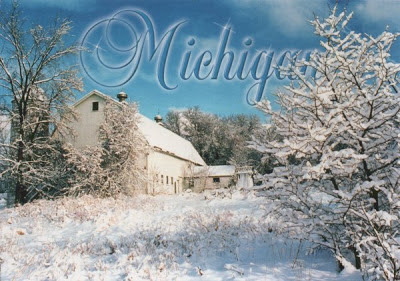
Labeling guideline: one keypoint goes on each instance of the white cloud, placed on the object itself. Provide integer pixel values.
(147, 77)
(376, 11)
(71, 5)
(291, 17)
(204, 43)
(177, 109)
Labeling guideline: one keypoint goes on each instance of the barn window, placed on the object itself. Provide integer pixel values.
(95, 106)
(216, 180)
(172, 180)
(162, 179)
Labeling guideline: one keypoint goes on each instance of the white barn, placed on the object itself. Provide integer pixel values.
(170, 159)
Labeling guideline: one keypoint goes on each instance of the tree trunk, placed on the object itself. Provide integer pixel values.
(340, 265)
(21, 193)
(375, 196)
(21, 190)
(356, 257)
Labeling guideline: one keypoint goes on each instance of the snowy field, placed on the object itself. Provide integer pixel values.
(177, 237)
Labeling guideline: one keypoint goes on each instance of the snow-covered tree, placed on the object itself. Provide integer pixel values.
(117, 164)
(37, 85)
(219, 140)
(337, 183)
(4, 138)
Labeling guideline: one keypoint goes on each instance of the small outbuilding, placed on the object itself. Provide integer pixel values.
(211, 177)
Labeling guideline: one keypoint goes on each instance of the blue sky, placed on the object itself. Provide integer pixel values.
(276, 26)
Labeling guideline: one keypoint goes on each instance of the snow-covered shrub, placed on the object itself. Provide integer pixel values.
(337, 183)
(117, 164)
(126, 238)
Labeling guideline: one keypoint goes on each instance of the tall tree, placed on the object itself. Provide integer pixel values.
(37, 83)
(219, 140)
(337, 183)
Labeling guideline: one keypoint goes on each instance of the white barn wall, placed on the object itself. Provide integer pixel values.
(160, 163)
(87, 126)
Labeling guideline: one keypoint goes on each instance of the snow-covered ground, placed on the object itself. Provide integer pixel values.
(180, 237)
(3, 200)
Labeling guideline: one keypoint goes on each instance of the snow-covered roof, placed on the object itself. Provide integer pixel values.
(215, 171)
(167, 141)
(159, 137)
